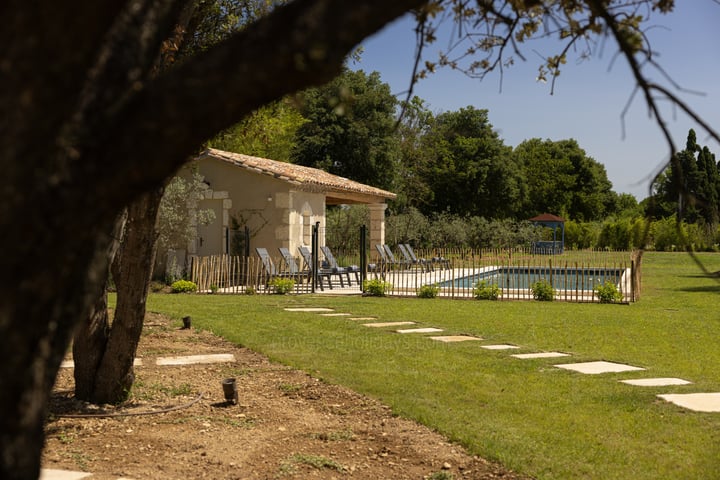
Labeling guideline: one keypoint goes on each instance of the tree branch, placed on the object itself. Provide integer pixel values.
(299, 45)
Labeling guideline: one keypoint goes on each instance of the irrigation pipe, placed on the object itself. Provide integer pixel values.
(131, 414)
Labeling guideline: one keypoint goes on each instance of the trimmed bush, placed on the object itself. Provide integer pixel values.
(282, 286)
(428, 291)
(376, 287)
(608, 292)
(486, 291)
(543, 291)
(183, 286)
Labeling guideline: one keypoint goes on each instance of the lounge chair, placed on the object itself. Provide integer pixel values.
(387, 259)
(392, 259)
(411, 259)
(322, 273)
(291, 265)
(270, 270)
(435, 260)
(338, 270)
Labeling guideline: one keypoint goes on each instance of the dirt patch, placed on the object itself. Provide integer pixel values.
(285, 425)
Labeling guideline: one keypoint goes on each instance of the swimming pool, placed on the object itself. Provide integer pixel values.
(522, 277)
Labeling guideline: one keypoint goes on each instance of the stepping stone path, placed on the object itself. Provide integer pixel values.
(194, 359)
(530, 356)
(700, 402)
(52, 474)
(455, 338)
(71, 364)
(502, 346)
(309, 309)
(656, 382)
(420, 330)
(595, 368)
(387, 324)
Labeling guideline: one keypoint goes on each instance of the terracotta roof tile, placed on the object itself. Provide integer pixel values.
(547, 217)
(297, 174)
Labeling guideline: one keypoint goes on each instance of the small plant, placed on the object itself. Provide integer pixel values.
(213, 288)
(282, 286)
(376, 287)
(428, 291)
(316, 461)
(543, 291)
(441, 476)
(250, 291)
(183, 286)
(608, 292)
(290, 388)
(486, 291)
(342, 435)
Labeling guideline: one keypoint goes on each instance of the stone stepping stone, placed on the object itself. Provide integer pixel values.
(196, 359)
(656, 382)
(500, 346)
(308, 309)
(71, 364)
(697, 402)
(335, 314)
(594, 368)
(420, 330)
(387, 324)
(455, 338)
(53, 474)
(530, 356)
(363, 318)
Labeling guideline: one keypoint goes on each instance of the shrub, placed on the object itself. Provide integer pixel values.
(157, 287)
(608, 292)
(428, 291)
(250, 290)
(486, 291)
(183, 286)
(543, 291)
(282, 286)
(214, 288)
(376, 287)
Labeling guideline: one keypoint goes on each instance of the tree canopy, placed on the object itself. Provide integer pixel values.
(561, 178)
(349, 129)
(469, 170)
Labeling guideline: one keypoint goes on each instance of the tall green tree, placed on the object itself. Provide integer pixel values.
(689, 187)
(413, 191)
(469, 168)
(268, 132)
(560, 178)
(350, 129)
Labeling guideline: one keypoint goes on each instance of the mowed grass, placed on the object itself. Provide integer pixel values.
(526, 414)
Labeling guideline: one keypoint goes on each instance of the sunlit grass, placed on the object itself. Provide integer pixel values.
(531, 416)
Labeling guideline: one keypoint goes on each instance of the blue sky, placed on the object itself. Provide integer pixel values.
(589, 96)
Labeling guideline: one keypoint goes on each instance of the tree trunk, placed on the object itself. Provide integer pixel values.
(87, 133)
(91, 338)
(106, 355)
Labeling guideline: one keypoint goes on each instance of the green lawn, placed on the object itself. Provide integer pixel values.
(532, 417)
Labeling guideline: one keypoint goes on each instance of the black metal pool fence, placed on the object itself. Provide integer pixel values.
(455, 272)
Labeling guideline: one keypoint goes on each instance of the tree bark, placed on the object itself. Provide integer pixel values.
(91, 337)
(104, 355)
(80, 139)
(136, 257)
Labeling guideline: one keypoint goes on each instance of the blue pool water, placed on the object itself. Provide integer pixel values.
(523, 277)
